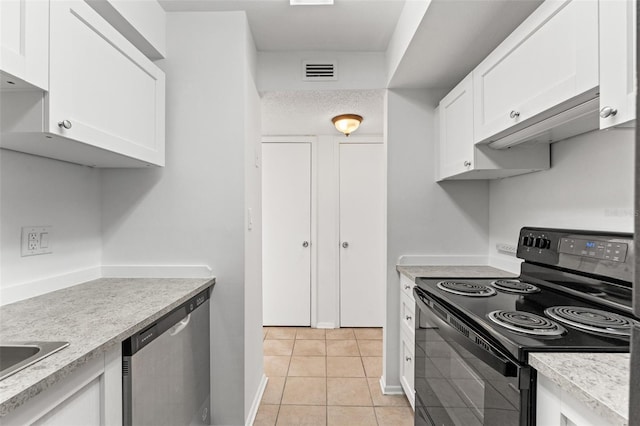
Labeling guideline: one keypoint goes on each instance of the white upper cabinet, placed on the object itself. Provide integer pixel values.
(617, 62)
(110, 93)
(461, 158)
(549, 60)
(106, 100)
(456, 129)
(24, 44)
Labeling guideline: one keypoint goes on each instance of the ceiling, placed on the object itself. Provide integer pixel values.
(348, 25)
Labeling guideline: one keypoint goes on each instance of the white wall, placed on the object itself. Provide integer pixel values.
(253, 360)
(589, 186)
(40, 191)
(193, 210)
(423, 217)
(355, 71)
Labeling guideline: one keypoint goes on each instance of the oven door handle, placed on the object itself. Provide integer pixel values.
(463, 335)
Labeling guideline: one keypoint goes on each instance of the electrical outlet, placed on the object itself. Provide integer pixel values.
(35, 240)
(506, 248)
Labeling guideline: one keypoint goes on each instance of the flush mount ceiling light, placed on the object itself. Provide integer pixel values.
(347, 123)
(311, 2)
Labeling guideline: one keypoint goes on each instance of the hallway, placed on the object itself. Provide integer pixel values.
(327, 377)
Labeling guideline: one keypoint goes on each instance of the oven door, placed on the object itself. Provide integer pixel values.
(461, 379)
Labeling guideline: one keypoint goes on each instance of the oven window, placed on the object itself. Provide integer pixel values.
(454, 387)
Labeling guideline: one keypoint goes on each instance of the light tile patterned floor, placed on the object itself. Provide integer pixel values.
(327, 377)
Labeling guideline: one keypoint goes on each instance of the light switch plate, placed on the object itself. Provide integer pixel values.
(35, 240)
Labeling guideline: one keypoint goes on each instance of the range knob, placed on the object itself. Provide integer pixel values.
(542, 243)
(527, 241)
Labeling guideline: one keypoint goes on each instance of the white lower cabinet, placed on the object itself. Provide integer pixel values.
(556, 407)
(90, 396)
(407, 338)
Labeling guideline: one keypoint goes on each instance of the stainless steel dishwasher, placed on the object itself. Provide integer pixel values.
(165, 369)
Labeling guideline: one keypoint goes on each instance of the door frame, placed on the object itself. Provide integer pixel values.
(360, 139)
(313, 142)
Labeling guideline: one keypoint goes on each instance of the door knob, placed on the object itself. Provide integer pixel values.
(345, 244)
(66, 124)
(608, 111)
(305, 244)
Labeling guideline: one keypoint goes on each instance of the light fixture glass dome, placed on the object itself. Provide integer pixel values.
(347, 123)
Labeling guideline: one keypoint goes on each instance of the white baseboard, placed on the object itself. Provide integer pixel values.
(325, 325)
(427, 260)
(251, 417)
(390, 390)
(26, 290)
(156, 271)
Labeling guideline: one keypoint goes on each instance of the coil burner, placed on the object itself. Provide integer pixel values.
(592, 320)
(527, 323)
(464, 288)
(515, 286)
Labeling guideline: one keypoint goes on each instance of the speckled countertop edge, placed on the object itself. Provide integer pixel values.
(599, 380)
(453, 271)
(93, 317)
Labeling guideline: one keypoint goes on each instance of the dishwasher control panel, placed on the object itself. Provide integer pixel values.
(149, 334)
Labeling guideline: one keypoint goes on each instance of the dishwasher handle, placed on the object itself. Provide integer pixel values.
(180, 326)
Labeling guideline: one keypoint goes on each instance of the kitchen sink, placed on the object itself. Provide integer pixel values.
(14, 356)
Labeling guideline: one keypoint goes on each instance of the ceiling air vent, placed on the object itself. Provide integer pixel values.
(320, 70)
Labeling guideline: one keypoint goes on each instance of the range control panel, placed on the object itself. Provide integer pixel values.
(616, 252)
(609, 254)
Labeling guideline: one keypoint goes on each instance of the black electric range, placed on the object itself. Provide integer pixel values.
(574, 294)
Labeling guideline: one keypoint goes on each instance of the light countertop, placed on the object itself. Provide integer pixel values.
(455, 271)
(93, 317)
(598, 380)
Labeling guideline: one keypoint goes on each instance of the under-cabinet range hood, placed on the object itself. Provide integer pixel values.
(564, 121)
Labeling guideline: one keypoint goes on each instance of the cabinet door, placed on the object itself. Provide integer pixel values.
(549, 59)
(407, 368)
(456, 130)
(81, 408)
(617, 62)
(109, 92)
(24, 43)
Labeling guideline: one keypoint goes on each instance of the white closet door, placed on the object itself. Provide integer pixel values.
(362, 239)
(286, 215)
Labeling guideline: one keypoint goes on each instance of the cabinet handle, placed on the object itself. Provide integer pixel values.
(305, 244)
(66, 124)
(514, 114)
(408, 359)
(607, 112)
(408, 317)
(345, 244)
(467, 163)
(407, 286)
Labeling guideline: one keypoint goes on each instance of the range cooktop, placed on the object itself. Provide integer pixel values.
(527, 322)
